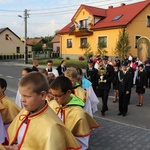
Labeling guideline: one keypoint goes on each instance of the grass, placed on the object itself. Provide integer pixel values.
(69, 63)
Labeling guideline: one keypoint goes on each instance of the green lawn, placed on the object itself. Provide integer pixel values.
(70, 63)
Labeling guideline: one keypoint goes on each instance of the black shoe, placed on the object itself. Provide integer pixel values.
(124, 114)
(103, 113)
(119, 114)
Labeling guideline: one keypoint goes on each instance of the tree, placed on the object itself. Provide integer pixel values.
(123, 44)
(38, 48)
(87, 51)
(101, 48)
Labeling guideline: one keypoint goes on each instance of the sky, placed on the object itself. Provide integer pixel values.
(45, 17)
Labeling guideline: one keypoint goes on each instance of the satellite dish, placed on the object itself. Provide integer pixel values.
(89, 18)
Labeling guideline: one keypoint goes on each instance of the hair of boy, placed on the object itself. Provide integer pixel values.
(27, 69)
(3, 83)
(49, 61)
(79, 71)
(71, 72)
(62, 61)
(35, 81)
(50, 80)
(61, 82)
(44, 71)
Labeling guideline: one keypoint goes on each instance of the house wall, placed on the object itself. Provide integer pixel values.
(8, 46)
(136, 28)
(55, 45)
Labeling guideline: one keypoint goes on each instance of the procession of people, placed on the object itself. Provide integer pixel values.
(65, 99)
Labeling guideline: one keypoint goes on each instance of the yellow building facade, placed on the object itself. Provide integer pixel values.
(91, 25)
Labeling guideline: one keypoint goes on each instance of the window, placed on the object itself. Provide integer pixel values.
(117, 17)
(148, 21)
(136, 39)
(7, 37)
(17, 50)
(83, 24)
(83, 42)
(102, 41)
(69, 43)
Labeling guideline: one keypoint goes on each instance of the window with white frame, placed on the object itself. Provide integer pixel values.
(136, 39)
(69, 43)
(83, 24)
(83, 42)
(102, 41)
(148, 20)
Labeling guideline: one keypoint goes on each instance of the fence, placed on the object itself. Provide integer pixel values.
(13, 56)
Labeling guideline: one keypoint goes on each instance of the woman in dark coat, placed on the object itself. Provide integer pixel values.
(140, 84)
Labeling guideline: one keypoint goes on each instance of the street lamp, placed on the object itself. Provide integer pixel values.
(26, 15)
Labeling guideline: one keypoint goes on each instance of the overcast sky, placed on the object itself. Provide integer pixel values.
(45, 16)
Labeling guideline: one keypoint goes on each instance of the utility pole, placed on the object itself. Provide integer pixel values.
(26, 15)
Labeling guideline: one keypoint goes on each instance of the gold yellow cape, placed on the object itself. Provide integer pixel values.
(45, 131)
(75, 118)
(2, 147)
(8, 109)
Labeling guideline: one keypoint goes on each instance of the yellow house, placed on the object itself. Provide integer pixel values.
(92, 25)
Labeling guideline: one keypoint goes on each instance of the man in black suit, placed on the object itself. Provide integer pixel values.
(106, 74)
(124, 85)
(35, 65)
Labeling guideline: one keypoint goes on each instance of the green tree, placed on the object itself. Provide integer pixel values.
(87, 51)
(38, 48)
(101, 48)
(123, 44)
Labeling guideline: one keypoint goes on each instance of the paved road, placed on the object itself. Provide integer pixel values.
(122, 133)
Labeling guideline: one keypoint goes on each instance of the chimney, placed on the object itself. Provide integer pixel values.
(110, 7)
(123, 4)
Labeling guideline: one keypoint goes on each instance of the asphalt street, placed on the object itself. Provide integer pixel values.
(131, 132)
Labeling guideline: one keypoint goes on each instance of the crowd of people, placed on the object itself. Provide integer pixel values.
(121, 75)
(57, 104)
(50, 106)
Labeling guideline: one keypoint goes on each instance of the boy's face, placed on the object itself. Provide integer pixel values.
(61, 97)
(2, 91)
(49, 65)
(32, 101)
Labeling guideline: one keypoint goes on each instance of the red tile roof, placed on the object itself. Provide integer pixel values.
(128, 12)
(34, 41)
(94, 11)
(56, 39)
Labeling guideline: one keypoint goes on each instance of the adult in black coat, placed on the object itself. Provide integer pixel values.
(35, 65)
(62, 67)
(141, 82)
(124, 85)
(106, 75)
(92, 74)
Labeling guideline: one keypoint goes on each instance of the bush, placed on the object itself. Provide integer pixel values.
(81, 58)
(67, 58)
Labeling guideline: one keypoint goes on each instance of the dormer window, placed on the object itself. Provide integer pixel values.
(117, 17)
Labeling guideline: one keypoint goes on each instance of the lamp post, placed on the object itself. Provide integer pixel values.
(26, 15)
